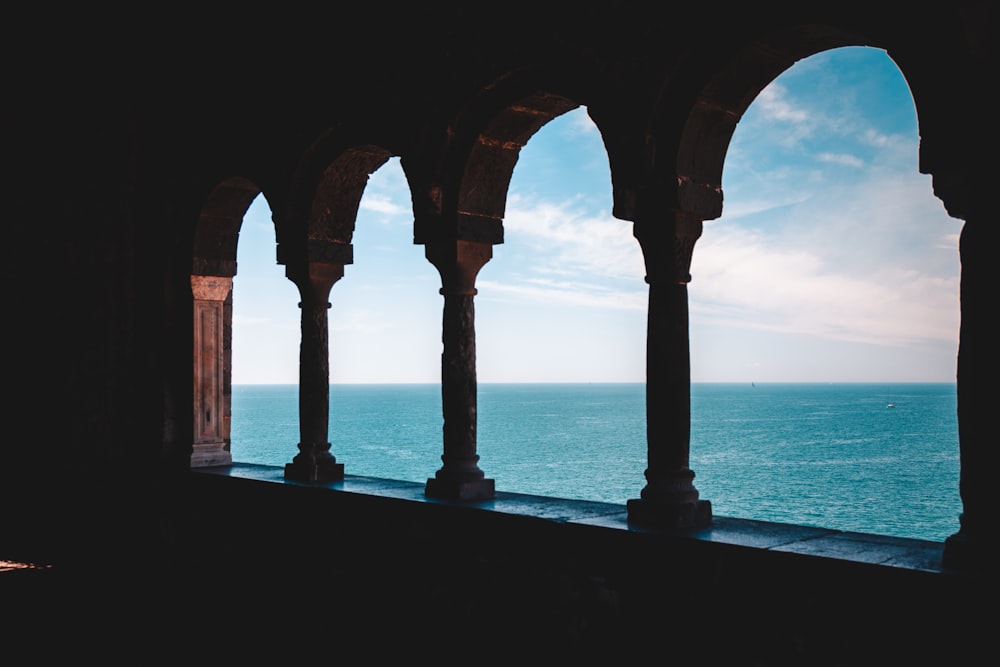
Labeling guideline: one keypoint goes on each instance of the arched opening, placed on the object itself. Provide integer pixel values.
(265, 346)
(561, 327)
(385, 342)
(211, 280)
(826, 290)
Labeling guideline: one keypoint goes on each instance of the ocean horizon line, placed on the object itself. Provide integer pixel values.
(619, 382)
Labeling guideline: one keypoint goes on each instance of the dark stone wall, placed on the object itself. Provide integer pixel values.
(258, 570)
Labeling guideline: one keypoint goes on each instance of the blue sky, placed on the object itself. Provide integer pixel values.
(832, 261)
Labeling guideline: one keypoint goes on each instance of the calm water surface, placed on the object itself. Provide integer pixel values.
(830, 455)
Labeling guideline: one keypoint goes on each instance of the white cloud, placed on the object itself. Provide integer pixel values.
(744, 278)
(381, 204)
(741, 207)
(774, 104)
(843, 159)
(873, 137)
(573, 293)
(570, 239)
(825, 267)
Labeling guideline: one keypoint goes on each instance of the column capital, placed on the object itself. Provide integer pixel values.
(458, 262)
(211, 288)
(667, 246)
(316, 281)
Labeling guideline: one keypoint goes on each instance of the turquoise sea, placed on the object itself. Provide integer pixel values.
(829, 455)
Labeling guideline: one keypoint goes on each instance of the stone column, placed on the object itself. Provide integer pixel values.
(669, 499)
(314, 462)
(209, 446)
(971, 548)
(459, 478)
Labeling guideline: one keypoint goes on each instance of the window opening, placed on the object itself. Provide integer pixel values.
(265, 347)
(830, 280)
(560, 324)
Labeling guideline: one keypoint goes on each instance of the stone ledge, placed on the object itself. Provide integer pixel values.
(862, 548)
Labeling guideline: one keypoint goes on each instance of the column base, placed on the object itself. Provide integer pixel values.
(314, 472)
(451, 489)
(674, 516)
(204, 455)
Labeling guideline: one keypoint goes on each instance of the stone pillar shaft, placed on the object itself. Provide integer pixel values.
(209, 446)
(314, 462)
(460, 478)
(668, 386)
(669, 498)
(977, 370)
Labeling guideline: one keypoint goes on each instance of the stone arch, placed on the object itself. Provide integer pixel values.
(214, 264)
(315, 246)
(706, 131)
(333, 210)
(705, 126)
(326, 192)
(464, 178)
(937, 81)
(482, 191)
(463, 181)
(703, 107)
(218, 227)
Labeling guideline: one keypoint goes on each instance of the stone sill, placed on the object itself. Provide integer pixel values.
(869, 549)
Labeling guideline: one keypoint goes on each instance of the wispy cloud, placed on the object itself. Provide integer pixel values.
(747, 279)
(872, 263)
(774, 104)
(570, 238)
(588, 295)
(825, 266)
(381, 203)
(873, 137)
(742, 207)
(843, 159)
(828, 230)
